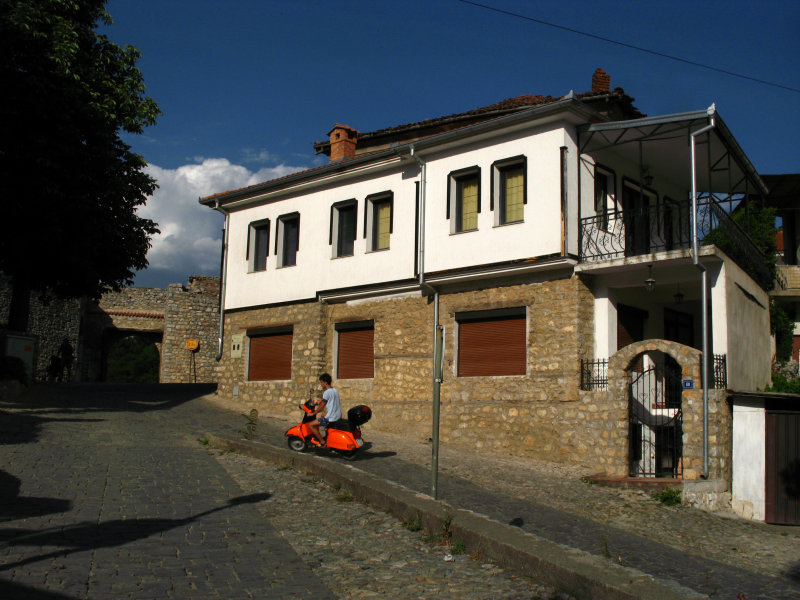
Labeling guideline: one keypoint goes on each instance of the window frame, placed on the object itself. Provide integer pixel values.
(335, 233)
(372, 203)
(513, 361)
(610, 177)
(251, 254)
(281, 240)
(356, 366)
(277, 342)
(455, 180)
(499, 168)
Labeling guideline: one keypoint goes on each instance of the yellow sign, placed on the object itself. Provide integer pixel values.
(192, 345)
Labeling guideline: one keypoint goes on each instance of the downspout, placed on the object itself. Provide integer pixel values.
(703, 280)
(223, 271)
(437, 351)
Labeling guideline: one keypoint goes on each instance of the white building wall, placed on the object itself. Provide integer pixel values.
(316, 269)
(749, 460)
(540, 232)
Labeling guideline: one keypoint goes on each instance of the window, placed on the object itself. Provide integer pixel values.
(508, 187)
(604, 195)
(342, 232)
(378, 221)
(355, 354)
(464, 199)
(257, 245)
(270, 354)
(287, 242)
(492, 343)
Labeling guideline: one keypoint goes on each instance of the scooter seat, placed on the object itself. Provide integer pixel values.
(341, 425)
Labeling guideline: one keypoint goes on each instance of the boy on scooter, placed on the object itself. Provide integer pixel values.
(330, 403)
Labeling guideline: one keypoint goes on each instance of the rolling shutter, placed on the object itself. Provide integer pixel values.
(356, 358)
(494, 346)
(270, 357)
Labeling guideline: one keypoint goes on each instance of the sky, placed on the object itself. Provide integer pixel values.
(246, 87)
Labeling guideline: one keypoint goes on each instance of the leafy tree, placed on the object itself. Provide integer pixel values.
(71, 185)
(782, 327)
(133, 359)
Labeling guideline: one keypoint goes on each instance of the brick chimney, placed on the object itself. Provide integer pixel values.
(343, 142)
(600, 81)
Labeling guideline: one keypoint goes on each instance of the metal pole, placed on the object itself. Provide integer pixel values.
(703, 279)
(438, 352)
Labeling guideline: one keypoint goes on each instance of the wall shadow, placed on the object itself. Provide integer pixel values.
(91, 535)
(13, 506)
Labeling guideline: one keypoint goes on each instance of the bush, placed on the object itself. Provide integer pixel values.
(783, 384)
(668, 496)
(12, 367)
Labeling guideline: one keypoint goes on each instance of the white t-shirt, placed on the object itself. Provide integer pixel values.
(333, 411)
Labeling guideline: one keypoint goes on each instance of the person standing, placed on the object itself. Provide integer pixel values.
(330, 404)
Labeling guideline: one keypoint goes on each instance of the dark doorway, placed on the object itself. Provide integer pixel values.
(636, 219)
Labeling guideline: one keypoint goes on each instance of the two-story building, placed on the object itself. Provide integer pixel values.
(549, 243)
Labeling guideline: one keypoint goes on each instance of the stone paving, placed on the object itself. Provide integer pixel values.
(714, 554)
(117, 498)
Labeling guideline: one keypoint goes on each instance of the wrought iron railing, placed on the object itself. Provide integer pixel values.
(720, 373)
(667, 226)
(594, 374)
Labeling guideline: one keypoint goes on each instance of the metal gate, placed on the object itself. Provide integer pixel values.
(656, 422)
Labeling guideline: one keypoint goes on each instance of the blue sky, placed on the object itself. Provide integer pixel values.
(247, 86)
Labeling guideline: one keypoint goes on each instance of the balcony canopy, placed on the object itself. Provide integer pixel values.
(660, 146)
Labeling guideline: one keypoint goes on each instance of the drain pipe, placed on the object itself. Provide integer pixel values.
(704, 283)
(438, 347)
(223, 271)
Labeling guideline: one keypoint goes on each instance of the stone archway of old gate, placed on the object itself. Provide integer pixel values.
(689, 359)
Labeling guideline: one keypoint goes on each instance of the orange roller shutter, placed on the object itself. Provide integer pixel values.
(271, 357)
(492, 347)
(356, 354)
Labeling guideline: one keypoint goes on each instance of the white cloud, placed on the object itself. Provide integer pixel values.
(190, 238)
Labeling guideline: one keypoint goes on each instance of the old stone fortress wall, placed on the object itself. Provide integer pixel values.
(170, 317)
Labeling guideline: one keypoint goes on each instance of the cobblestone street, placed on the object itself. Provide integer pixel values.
(107, 492)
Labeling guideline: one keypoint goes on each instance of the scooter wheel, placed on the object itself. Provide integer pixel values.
(296, 444)
(348, 454)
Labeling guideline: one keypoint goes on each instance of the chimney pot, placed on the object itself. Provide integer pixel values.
(601, 82)
(343, 142)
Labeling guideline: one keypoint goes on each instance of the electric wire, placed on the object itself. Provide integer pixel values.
(626, 45)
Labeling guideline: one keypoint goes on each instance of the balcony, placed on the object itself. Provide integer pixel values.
(667, 226)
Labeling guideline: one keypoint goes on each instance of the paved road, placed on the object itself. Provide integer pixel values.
(105, 495)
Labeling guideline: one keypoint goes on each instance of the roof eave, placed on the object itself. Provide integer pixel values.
(568, 105)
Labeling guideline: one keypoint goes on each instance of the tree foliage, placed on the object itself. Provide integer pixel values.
(133, 359)
(71, 185)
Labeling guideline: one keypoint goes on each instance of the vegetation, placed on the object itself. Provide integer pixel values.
(786, 385)
(133, 359)
(782, 327)
(72, 185)
(668, 496)
(12, 368)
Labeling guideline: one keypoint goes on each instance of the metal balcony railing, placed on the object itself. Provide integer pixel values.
(667, 226)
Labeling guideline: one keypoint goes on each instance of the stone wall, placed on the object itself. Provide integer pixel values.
(191, 313)
(51, 321)
(537, 414)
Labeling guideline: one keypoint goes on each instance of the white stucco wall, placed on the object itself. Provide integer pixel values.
(748, 343)
(749, 460)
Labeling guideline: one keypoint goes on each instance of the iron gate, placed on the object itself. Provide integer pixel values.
(656, 426)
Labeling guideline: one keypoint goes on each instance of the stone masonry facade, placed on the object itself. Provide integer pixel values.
(540, 414)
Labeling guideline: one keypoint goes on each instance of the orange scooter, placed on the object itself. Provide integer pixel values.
(344, 435)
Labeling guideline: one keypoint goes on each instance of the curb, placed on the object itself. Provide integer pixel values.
(578, 573)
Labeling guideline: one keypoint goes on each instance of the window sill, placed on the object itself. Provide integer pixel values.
(377, 250)
(465, 231)
(510, 223)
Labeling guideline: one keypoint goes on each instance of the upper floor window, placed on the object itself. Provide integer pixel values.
(378, 221)
(342, 234)
(257, 245)
(604, 195)
(508, 187)
(464, 199)
(287, 242)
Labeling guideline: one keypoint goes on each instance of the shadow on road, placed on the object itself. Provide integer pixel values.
(16, 591)
(13, 506)
(90, 536)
